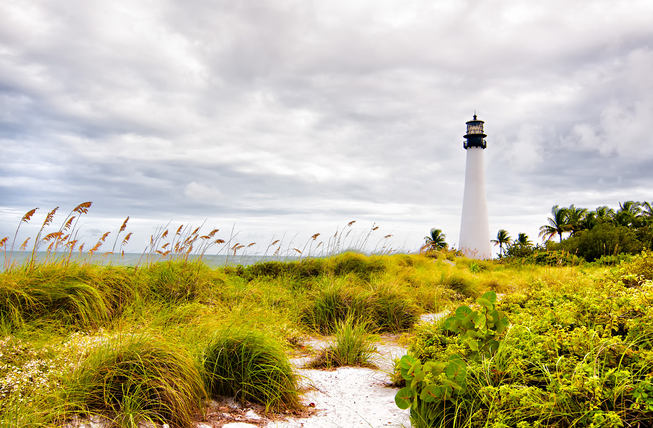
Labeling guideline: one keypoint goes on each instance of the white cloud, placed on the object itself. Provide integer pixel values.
(202, 192)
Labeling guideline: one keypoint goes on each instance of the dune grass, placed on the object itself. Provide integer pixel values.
(250, 366)
(352, 346)
(155, 341)
(137, 378)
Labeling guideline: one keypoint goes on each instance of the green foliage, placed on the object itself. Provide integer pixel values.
(429, 387)
(70, 296)
(579, 353)
(352, 347)
(137, 378)
(382, 306)
(603, 240)
(548, 257)
(479, 329)
(250, 366)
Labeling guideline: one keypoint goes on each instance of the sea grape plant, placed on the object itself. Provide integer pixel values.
(479, 329)
(429, 386)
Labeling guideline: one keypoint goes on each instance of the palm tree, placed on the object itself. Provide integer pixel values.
(605, 214)
(435, 241)
(558, 224)
(522, 239)
(502, 239)
(575, 217)
(627, 214)
(590, 221)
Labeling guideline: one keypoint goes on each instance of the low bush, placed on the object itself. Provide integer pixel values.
(576, 354)
(383, 306)
(137, 378)
(250, 366)
(352, 347)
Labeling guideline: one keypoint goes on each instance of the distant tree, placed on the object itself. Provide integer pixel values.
(628, 213)
(502, 239)
(522, 239)
(558, 223)
(604, 214)
(575, 218)
(435, 240)
(646, 212)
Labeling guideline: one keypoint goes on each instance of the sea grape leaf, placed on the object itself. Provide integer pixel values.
(485, 303)
(431, 393)
(463, 311)
(404, 397)
(491, 296)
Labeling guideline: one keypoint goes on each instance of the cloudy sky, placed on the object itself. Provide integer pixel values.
(299, 116)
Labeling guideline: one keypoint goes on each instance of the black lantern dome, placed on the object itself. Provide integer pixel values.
(475, 136)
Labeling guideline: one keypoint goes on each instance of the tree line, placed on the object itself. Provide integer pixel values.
(588, 234)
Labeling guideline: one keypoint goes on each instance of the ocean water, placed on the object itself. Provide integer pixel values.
(132, 259)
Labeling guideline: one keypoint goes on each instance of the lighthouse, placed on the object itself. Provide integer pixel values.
(474, 225)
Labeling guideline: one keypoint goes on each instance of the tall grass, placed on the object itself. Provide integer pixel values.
(352, 346)
(250, 366)
(138, 378)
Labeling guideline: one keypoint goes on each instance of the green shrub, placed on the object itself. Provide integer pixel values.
(459, 284)
(250, 366)
(137, 378)
(177, 281)
(66, 295)
(383, 307)
(362, 266)
(577, 354)
(352, 347)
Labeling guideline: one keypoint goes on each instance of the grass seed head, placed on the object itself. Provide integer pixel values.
(83, 208)
(49, 217)
(124, 225)
(28, 215)
(24, 246)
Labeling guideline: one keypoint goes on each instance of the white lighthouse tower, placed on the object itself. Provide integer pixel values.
(474, 225)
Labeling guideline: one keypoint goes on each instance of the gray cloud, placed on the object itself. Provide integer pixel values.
(291, 116)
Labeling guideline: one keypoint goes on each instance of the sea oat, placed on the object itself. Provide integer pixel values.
(251, 245)
(28, 215)
(49, 217)
(179, 230)
(52, 235)
(3, 242)
(68, 223)
(126, 240)
(274, 243)
(387, 236)
(124, 225)
(213, 232)
(22, 247)
(164, 234)
(165, 245)
(220, 241)
(297, 250)
(351, 222)
(314, 237)
(83, 208)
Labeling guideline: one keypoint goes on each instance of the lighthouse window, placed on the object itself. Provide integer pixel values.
(476, 128)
